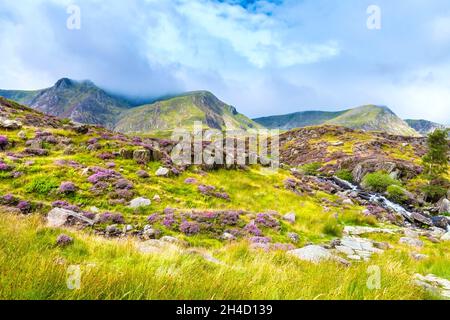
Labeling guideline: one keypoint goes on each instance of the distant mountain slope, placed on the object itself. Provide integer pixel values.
(424, 127)
(297, 120)
(183, 111)
(369, 118)
(80, 101)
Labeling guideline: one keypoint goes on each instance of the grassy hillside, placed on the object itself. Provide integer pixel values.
(297, 120)
(369, 118)
(248, 204)
(181, 112)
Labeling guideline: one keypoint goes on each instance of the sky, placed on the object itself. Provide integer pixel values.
(263, 57)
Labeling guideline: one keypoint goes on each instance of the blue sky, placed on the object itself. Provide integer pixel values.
(264, 57)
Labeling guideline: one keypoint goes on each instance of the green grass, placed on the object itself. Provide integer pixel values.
(32, 267)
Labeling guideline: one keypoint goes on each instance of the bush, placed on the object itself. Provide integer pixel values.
(346, 175)
(434, 193)
(333, 228)
(379, 181)
(397, 194)
(42, 185)
(311, 168)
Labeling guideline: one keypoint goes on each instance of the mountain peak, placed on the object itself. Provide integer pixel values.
(64, 83)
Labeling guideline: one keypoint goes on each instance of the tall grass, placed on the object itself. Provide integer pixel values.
(32, 267)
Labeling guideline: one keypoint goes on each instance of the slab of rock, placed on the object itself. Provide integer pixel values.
(58, 217)
(312, 253)
(434, 284)
(140, 202)
(411, 242)
(142, 156)
(162, 172)
(356, 231)
(444, 206)
(290, 217)
(10, 124)
(446, 237)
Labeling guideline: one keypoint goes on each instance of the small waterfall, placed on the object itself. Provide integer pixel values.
(374, 198)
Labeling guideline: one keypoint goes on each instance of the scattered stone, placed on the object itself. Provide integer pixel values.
(294, 237)
(162, 172)
(433, 284)
(347, 202)
(10, 124)
(411, 242)
(290, 217)
(58, 217)
(142, 174)
(228, 236)
(22, 135)
(142, 156)
(172, 240)
(446, 237)
(139, 202)
(157, 198)
(356, 231)
(312, 253)
(419, 256)
(149, 232)
(411, 234)
(440, 222)
(444, 206)
(112, 230)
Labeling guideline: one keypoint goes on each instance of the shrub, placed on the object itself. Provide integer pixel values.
(189, 228)
(434, 193)
(379, 181)
(3, 142)
(397, 194)
(346, 175)
(67, 187)
(311, 168)
(42, 185)
(64, 240)
(332, 228)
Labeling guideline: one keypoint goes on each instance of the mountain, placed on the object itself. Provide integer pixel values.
(84, 102)
(368, 118)
(424, 127)
(80, 101)
(183, 111)
(297, 120)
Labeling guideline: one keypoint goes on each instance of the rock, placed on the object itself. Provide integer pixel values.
(337, 144)
(446, 237)
(139, 202)
(149, 232)
(360, 245)
(312, 253)
(58, 217)
(10, 124)
(22, 135)
(172, 240)
(411, 234)
(356, 231)
(142, 156)
(347, 202)
(128, 228)
(157, 198)
(434, 284)
(419, 256)
(294, 237)
(422, 219)
(411, 242)
(112, 230)
(162, 172)
(290, 217)
(228, 236)
(94, 209)
(345, 250)
(444, 206)
(440, 222)
(126, 153)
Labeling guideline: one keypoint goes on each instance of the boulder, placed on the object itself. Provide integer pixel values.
(411, 242)
(10, 124)
(440, 222)
(446, 237)
(444, 206)
(58, 217)
(290, 217)
(140, 202)
(126, 153)
(312, 253)
(142, 156)
(162, 172)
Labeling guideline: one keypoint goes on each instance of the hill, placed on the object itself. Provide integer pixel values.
(424, 127)
(368, 118)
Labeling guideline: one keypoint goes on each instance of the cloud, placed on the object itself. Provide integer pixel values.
(263, 57)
